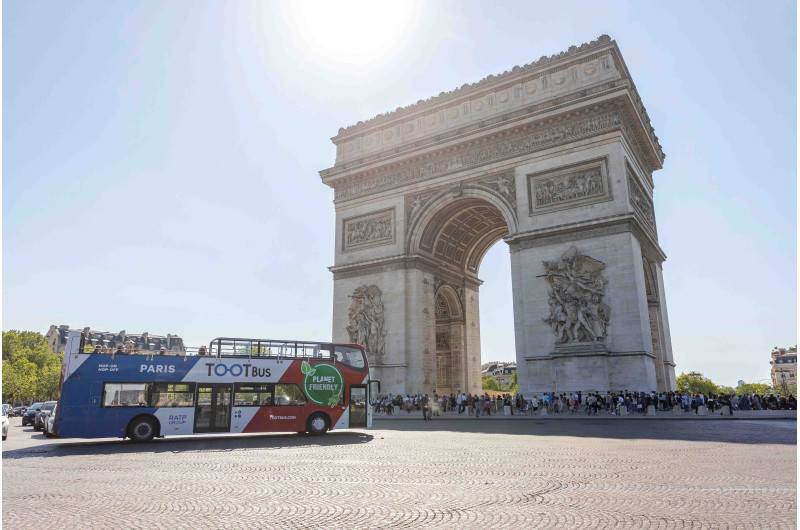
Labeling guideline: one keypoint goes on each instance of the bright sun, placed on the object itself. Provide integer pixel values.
(352, 32)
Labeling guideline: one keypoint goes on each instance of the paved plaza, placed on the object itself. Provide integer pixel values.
(412, 474)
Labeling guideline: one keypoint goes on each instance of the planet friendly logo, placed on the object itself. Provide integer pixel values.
(323, 383)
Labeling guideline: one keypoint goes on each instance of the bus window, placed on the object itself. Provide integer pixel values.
(125, 395)
(249, 395)
(171, 395)
(289, 394)
(350, 356)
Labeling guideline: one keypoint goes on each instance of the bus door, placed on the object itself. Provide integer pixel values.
(213, 409)
(358, 405)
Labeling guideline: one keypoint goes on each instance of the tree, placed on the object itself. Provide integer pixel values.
(753, 388)
(695, 383)
(488, 382)
(31, 370)
(513, 386)
(786, 387)
(19, 380)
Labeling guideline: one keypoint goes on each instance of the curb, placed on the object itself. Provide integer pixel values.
(553, 417)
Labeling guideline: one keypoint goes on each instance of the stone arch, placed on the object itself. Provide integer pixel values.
(449, 295)
(450, 332)
(457, 228)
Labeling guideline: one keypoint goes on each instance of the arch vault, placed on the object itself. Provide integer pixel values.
(555, 158)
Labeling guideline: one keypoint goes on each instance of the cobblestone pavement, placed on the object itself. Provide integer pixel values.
(446, 473)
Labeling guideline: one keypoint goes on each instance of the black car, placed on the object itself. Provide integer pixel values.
(19, 411)
(41, 415)
(30, 415)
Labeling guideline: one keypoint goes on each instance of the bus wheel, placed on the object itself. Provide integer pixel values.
(318, 424)
(142, 429)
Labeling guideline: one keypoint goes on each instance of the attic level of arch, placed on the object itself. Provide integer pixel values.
(480, 144)
(573, 74)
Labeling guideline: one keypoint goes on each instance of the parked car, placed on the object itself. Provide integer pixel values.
(38, 423)
(50, 421)
(5, 424)
(6, 408)
(30, 415)
(19, 411)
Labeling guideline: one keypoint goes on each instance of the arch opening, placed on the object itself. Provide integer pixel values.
(460, 233)
(455, 234)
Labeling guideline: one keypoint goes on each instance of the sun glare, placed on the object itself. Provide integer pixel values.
(351, 32)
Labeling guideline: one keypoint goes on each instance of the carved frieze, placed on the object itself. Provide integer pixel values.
(557, 190)
(641, 202)
(569, 187)
(483, 155)
(372, 229)
(577, 312)
(367, 319)
(442, 341)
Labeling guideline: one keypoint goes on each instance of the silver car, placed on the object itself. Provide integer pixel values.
(50, 422)
(5, 424)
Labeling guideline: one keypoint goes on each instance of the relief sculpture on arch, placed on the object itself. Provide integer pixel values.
(577, 311)
(367, 319)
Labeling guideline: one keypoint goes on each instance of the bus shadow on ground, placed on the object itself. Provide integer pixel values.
(185, 444)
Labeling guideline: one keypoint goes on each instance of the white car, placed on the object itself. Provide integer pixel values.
(5, 424)
(50, 421)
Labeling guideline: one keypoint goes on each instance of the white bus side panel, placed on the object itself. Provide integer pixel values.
(344, 421)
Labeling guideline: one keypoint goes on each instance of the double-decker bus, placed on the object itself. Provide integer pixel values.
(233, 386)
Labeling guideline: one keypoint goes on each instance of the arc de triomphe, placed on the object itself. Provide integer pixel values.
(556, 158)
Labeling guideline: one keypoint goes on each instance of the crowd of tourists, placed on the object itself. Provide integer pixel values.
(456, 403)
(570, 403)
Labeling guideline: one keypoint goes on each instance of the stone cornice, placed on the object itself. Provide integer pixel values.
(589, 229)
(394, 124)
(402, 262)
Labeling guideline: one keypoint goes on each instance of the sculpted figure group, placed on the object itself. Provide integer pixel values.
(367, 319)
(372, 229)
(567, 188)
(577, 311)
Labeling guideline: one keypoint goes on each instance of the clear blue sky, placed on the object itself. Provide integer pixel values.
(160, 159)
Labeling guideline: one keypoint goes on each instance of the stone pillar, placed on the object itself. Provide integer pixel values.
(390, 366)
(665, 337)
(472, 331)
(624, 359)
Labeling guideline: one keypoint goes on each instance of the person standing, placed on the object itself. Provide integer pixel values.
(426, 407)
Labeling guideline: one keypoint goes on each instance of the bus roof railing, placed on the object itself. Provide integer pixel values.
(350, 354)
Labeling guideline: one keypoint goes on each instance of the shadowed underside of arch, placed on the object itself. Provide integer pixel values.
(462, 232)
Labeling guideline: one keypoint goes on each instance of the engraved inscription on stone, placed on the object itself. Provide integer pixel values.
(641, 203)
(369, 230)
(568, 188)
(367, 319)
(577, 312)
